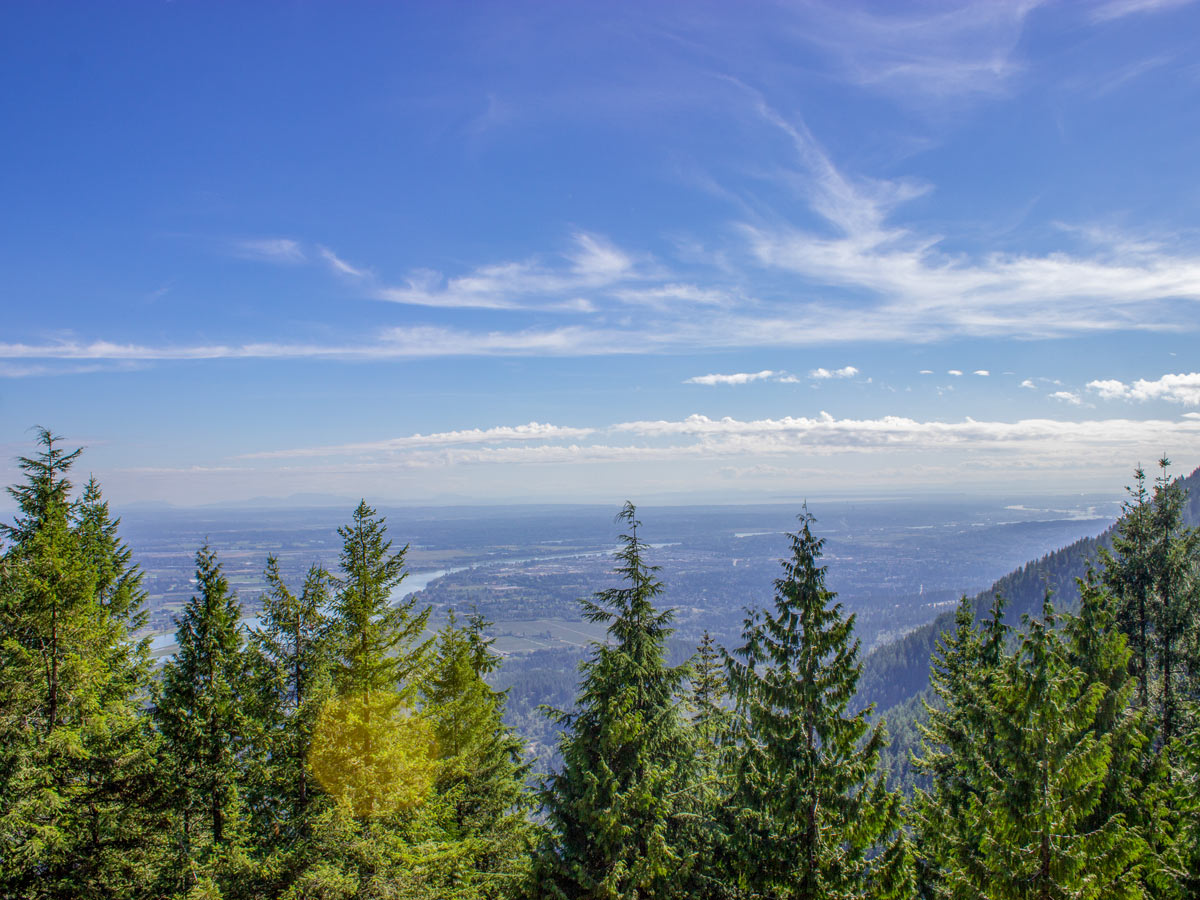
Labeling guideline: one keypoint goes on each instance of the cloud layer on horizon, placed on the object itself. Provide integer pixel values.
(700, 435)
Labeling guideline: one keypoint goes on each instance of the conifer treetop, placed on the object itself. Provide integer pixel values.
(46, 487)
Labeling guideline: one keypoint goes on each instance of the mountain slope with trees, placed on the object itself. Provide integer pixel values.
(895, 672)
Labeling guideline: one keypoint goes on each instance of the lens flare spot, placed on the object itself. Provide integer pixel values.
(373, 755)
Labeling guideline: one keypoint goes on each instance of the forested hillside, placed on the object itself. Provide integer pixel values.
(897, 671)
(336, 750)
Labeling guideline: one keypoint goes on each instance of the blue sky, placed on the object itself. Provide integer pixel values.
(552, 252)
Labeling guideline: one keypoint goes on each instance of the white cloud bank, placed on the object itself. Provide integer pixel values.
(1180, 388)
(818, 374)
(736, 378)
(772, 458)
(698, 434)
(822, 374)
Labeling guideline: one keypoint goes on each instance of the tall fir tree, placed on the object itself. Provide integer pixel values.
(373, 753)
(480, 780)
(1173, 553)
(118, 579)
(76, 763)
(611, 811)
(1136, 784)
(710, 733)
(957, 738)
(201, 715)
(711, 715)
(378, 641)
(1045, 782)
(46, 492)
(1022, 804)
(811, 815)
(380, 656)
(290, 658)
(1129, 574)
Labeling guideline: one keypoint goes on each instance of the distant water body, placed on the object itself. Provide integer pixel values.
(416, 581)
(164, 644)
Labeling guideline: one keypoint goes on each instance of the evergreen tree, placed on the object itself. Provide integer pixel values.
(711, 715)
(1129, 574)
(1173, 554)
(710, 733)
(46, 493)
(291, 661)
(50, 603)
(957, 738)
(1186, 797)
(372, 752)
(378, 661)
(1136, 784)
(75, 761)
(1022, 751)
(378, 640)
(480, 773)
(810, 807)
(611, 811)
(118, 579)
(200, 714)
(1045, 781)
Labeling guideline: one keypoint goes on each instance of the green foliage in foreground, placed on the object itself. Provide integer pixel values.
(338, 751)
(77, 757)
(612, 811)
(811, 815)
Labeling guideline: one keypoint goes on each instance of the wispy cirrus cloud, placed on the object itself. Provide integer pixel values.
(674, 295)
(592, 263)
(1070, 397)
(277, 250)
(921, 54)
(1119, 9)
(533, 431)
(339, 265)
(34, 370)
(554, 282)
(901, 282)
(858, 277)
(389, 343)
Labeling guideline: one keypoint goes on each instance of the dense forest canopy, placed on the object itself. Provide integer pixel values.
(1051, 730)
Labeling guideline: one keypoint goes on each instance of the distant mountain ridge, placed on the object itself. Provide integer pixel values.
(896, 672)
